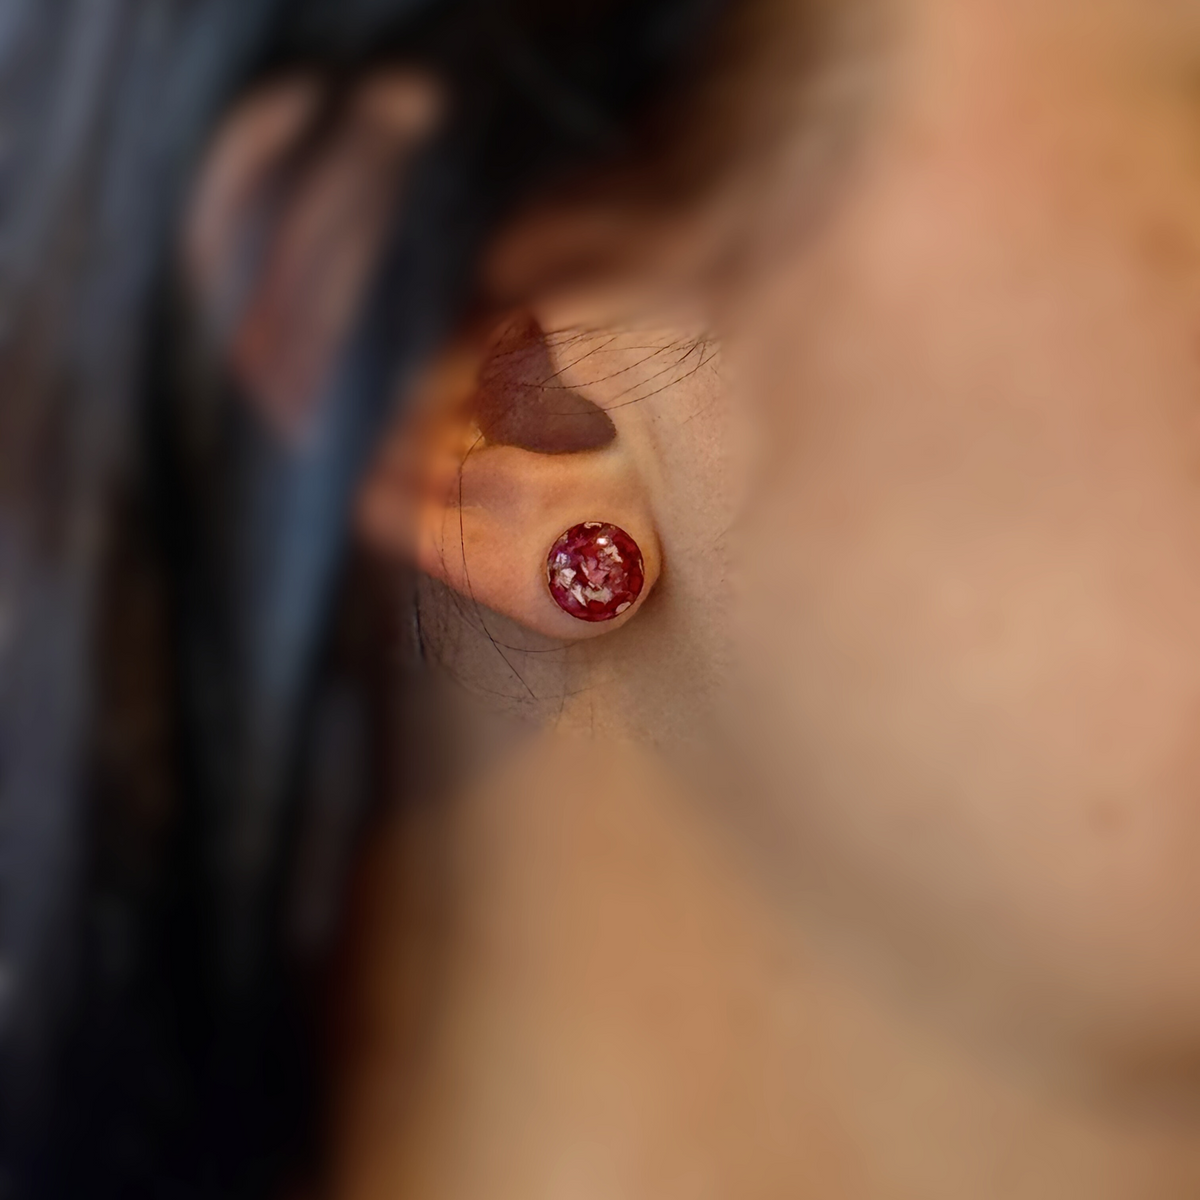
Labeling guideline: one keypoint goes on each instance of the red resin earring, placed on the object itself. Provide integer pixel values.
(595, 571)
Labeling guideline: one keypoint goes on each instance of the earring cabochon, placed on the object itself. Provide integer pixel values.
(596, 572)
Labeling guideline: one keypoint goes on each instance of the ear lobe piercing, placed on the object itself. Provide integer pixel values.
(595, 571)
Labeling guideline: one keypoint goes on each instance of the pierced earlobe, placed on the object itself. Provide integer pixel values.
(595, 572)
(502, 472)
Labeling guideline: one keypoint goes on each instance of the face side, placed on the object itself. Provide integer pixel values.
(966, 685)
(962, 685)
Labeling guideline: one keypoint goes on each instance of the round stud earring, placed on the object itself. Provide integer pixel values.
(595, 571)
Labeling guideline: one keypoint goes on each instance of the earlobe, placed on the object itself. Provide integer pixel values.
(525, 496)
(564, 544)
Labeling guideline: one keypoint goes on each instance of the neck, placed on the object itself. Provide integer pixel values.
(621, 1011)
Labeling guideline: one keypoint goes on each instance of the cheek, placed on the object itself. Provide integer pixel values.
(969, 616)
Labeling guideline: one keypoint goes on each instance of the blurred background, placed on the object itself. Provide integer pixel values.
(201, 675)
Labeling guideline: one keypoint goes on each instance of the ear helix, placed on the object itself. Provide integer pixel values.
(595, 572)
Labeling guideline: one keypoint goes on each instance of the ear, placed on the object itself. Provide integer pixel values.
(278, 246)
(524, 459)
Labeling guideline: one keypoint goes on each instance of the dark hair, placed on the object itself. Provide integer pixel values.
(155, 541)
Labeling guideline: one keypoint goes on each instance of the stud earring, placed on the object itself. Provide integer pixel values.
(595, 571)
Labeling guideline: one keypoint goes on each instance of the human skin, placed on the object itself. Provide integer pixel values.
(969, 619)
(937, 608)
(909, 719)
